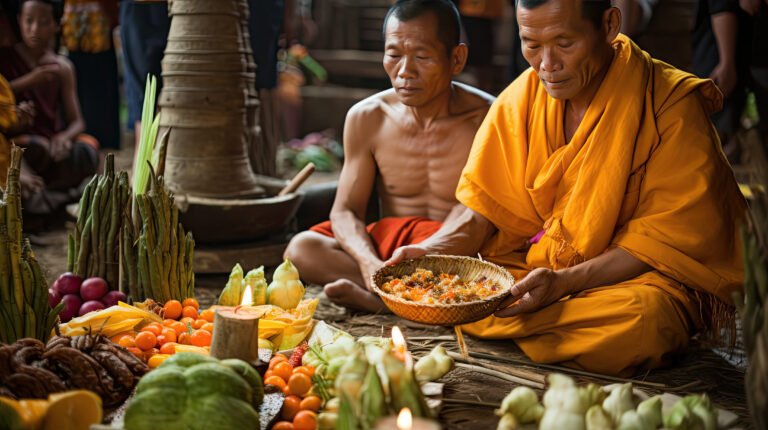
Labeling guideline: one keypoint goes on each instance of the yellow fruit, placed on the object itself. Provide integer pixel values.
(72, 410)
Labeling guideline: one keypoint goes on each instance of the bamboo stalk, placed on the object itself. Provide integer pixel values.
(521, 373)
(471, 403)
(502, 375)
(461, 342)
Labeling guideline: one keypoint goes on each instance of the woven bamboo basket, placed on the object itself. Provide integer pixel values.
(444, 314)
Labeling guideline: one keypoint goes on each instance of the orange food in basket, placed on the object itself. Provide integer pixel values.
(423, 286)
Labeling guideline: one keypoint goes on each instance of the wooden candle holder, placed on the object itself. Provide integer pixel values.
(235, 335)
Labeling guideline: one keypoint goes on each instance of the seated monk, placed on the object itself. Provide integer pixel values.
(410, 142)
(598, 180)
(56, 158)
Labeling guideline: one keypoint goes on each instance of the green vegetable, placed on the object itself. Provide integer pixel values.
(434, 365)
(286, 290)
(221, 413)
(508, 422)
(561, 420)
(563, 395)
(523, 404)
(156, 405)
(650, 411)
(255, 279)
(247, 372)
(232, 293)
(372, 402)
(631, 420)
(619, 401)
(215, 378)
(597, 419)
(185, 360)
(167, 377)
(327, 420)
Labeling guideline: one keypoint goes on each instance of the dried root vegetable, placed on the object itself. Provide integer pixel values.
(24, 309)
(93, 248)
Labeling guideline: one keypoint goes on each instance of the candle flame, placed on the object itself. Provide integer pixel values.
(247, 296)
(405, 419)
(398, 339)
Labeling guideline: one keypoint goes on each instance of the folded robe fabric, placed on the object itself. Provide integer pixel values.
(388, 234)
(644, 172)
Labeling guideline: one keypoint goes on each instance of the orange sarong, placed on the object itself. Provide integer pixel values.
(643, 172)
(388, 234)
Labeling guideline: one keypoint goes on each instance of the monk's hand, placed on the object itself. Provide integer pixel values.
(367, 270)
(406, 252)
(540, 288)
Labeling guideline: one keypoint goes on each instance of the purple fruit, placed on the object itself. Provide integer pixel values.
(112, 297)
(72, 305)
(93, 289)
(90, 306)
(54, 297)
(68, 283)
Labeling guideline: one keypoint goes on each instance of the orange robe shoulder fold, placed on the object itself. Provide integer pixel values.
(643, 172)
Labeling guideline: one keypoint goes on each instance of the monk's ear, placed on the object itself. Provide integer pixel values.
(611, 23)
(458, 58)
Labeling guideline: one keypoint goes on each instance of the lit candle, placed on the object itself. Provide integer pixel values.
(247, 298)
(406, 421)
(400, 349)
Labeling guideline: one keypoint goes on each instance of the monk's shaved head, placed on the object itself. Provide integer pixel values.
(591, 10)
(448, 19)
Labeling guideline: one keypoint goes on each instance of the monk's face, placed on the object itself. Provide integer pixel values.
(567, 51)
(417, 62)
(38, 28)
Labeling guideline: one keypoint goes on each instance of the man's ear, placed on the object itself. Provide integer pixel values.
(459, 58)
(611, 23)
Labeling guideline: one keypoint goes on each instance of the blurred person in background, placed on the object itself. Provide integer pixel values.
(479, 18)
(86, 32)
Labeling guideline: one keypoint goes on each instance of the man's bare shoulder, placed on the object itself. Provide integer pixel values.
(470, 99)
(371, 107)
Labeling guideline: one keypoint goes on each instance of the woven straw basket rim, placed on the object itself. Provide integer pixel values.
(440, 313)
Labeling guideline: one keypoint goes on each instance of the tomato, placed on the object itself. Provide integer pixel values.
(169, 333)
(187, 320)
(307, 370)
(172, 309)
(199, 323)
(190, 312)
(207, 327)
(136, 351)
(146, 340)
(312, 403)
(286, 391)
(299, 384)
(276, 381)
(167, 322)
(168, 348)
(155, 328)
(207, 315)
(127, 341)
(178, 327)
(184, 339)
(283, 370)
(200, 338)
(191, 302)
(290, 407)
(277, 358)
(267, 374)
(305, 420)
(283, 425)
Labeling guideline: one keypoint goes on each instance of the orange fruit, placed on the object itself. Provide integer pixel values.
(146, 340)
(155, 328)
(207, 327)
(267, 374)
(191, 302)
(200, 338)
(190, 312)
(184, 339)
(178, 328)
(116, 338)
(167, 322)
(283, 425)
(276, 381)
(163, 339)
(136, 351)
(169, 333)
(207, 315)
(290, 407)
(307, 370)
(199, 323)
(187, 320)
(286, 391)
(299, 384)
(127, 342)
(168, 348)
(283, 370)
(305, 420)
(312, 403)
(172, 309)
(277, 358)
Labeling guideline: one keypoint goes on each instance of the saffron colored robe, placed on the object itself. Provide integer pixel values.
(644, 172)
(388, 234)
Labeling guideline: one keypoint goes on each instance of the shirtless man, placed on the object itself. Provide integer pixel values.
(410, 142)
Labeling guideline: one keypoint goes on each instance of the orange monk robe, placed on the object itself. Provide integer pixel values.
(8, 118)
(643, 172)
(388, 234)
